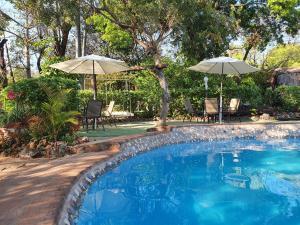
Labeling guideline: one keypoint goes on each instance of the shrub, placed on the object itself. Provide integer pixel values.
(250, 93)
(288, 97)
(84, 97)
(29, 93)
(57, 120)
(41, 108)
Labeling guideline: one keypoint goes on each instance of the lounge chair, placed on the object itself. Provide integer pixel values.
(211, 108)
(112, 115)
(190, 112)
(233, 108)
(108, 113)
(93, 112)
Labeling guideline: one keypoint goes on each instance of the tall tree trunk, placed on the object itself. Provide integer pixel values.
(27, 58)
(42, 32)
(247, 52)
(3, 71)
(78, 31)
(27, 49)
(39, 59)
(60, 45)
(165, 98)
(84, 39)
(9, 64)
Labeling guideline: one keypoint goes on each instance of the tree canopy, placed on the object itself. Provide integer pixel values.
(283, 56)
(141, 32)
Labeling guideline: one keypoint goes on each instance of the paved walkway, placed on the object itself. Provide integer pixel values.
(32, 193)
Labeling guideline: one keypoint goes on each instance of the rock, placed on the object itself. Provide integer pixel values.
(24, 154)
(48, 149)
(265, 116)
(44, 142)
(62, 149)
(81, 140)
(37, 153)
(32, 145)
(283, 116)
(85, 139)
(254, 118)
(73, 150)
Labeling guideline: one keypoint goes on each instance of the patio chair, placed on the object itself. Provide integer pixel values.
(93, 112)
(190, 112)
(211, 108)
(233, 108)
(108, 113)
(112, 116)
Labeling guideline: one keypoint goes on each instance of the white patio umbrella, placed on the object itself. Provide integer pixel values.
(221, 66)
(92, 64)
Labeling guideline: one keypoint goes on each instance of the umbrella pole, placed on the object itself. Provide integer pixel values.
(94, 81)
(95, 92)
(221, 104)
(221, 98)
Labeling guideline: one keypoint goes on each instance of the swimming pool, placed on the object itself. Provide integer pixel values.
(220, 182)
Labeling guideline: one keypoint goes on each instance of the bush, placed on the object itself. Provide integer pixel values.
(29, 108)
(30, 93)
(250, 93)
(84, 97)
(288, 98)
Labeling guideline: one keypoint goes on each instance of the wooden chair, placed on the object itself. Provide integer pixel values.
(190, 112)
(93, 112)
(233, 108)
(108, 113)
(211, 108)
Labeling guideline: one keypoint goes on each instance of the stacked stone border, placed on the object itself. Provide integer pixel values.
(132, 145)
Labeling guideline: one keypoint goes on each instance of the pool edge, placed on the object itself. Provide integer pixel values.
(132, 145)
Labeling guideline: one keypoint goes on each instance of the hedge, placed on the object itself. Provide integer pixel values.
(31, 92)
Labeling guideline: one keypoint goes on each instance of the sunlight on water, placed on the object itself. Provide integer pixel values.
(237, 182)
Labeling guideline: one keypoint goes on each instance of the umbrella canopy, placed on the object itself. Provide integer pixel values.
(92, 64)
(221, 66)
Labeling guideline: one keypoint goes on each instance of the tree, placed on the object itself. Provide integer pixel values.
(288, 11)
(283, 56)
(115, 42)
(149, 24)
(3, 71)
(261, 22)
(22, 35)
(58, 16)
(206, 29)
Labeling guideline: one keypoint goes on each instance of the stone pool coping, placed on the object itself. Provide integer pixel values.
(41, 193)
(130, 147)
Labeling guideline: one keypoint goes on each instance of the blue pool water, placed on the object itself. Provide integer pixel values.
(239, 182)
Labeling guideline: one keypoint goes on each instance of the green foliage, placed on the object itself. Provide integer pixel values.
(30, 93)
(55, 117)
(51, 72)
(250, 93)
(288, 11)
(287, 97)
(283, 56)
(141, 99)
(18, 114)
(204, 30)
(84, 97)
(262, 22)
(117, 38)
(183, 83)
(148, 92)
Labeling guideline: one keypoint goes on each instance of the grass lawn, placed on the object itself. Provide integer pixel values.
(128, 128)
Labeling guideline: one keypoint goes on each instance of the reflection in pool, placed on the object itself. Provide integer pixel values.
(223, 182)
